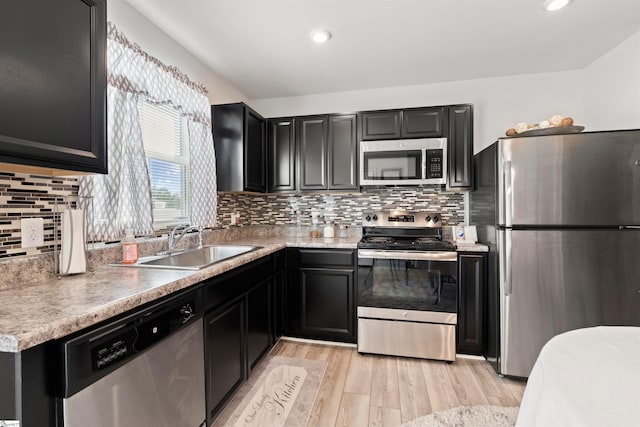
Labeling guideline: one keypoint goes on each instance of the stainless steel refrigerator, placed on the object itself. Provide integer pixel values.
(561, 215)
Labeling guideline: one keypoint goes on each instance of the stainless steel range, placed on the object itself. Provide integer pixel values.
(407, 286)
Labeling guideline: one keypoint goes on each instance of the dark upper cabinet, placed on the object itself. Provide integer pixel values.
(327, 152)
(423, 122)
(427, 122)
(343, 152)
(311, 137)
(460, 148)
(282, 154)
(239, 136)
(381, 124)
(53, 85)
(471, 330)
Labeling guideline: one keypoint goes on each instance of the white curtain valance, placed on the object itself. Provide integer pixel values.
(122, 199)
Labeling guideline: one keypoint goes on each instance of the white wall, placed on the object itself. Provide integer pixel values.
(156, 42)
(499, 103)
(612, 88)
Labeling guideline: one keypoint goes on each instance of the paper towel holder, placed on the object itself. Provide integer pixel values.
(62, 204)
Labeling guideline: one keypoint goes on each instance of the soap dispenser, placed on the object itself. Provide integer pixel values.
(129, 249)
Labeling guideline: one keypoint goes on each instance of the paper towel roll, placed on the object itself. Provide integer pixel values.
(72, 255)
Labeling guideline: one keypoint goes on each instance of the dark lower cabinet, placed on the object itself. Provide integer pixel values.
(326, 303)
(259, 323)
(279, 294)
(321, 294)
(460, 148)
(224, 354)
(238, 329)
(471, 332)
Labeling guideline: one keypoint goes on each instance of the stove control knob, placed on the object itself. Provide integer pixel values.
(367, 218)
(436, 219)
(428, 218)
(375, 217)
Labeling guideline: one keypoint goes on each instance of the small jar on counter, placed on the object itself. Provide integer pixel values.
(329, 229)
(343, 231)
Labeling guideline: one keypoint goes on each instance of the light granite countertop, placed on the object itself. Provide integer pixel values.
(52, 308)
(48, 309)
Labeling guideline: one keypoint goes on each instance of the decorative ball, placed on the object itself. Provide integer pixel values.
(521, 127)
(544, 124)
(567, 121)
(511, 132)
(555, 120)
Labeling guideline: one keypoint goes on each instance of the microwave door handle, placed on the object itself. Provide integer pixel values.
(424, 163)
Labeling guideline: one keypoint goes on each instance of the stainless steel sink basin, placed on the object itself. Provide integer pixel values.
(193, 259)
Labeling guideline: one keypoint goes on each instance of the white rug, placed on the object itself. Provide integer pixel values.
(469, 416)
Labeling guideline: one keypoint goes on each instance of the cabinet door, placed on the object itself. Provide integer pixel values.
(471, 303)
(282, 151)
(422, 122)
(258, 322)
(224, 354)
(280, 303)
(327, 304)
(381, 124)
(343, 152)
(460, 148)
(53, 84)
(312, 152)
(255, 152)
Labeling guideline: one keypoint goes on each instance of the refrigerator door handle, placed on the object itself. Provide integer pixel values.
(629, 227)
(508, 195)
(508, 287)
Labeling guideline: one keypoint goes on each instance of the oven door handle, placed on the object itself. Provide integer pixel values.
(408, 255)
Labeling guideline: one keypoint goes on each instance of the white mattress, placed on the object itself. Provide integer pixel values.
(586, 377)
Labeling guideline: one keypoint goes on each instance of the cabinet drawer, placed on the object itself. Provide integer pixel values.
(319, 257)
(228, 286)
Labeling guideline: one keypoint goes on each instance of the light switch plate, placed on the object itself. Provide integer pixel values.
(32, 232)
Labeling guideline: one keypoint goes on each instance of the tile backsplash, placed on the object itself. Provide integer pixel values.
(33, 196)
(30, 196)
(344, 208)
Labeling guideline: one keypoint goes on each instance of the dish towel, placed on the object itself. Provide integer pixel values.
(72, 255)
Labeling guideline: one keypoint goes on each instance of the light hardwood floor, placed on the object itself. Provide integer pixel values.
(386, 391)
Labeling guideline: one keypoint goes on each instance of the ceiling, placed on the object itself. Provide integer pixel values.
(263, 46)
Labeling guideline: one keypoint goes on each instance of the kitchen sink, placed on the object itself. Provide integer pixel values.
(192, 259)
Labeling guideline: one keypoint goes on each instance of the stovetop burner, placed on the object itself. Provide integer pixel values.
(417, 231)
(378, 239)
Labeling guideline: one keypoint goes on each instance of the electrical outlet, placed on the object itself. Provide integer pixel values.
(32, 232)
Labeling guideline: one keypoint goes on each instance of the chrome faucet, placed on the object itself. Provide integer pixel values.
(187, 228)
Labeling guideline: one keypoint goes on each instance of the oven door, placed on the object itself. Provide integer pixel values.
(408, 280)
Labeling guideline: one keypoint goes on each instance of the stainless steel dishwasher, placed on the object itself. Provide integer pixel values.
(146, 369)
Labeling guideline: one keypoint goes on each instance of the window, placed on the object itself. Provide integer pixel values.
(165, 139)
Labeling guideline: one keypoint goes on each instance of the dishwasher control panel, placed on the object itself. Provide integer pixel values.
(95, 352)
(113, 350)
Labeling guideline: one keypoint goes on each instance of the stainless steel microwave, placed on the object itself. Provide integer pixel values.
(403, 162)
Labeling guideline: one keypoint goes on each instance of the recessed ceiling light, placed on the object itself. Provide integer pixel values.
(320, 36)
(553, 5)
